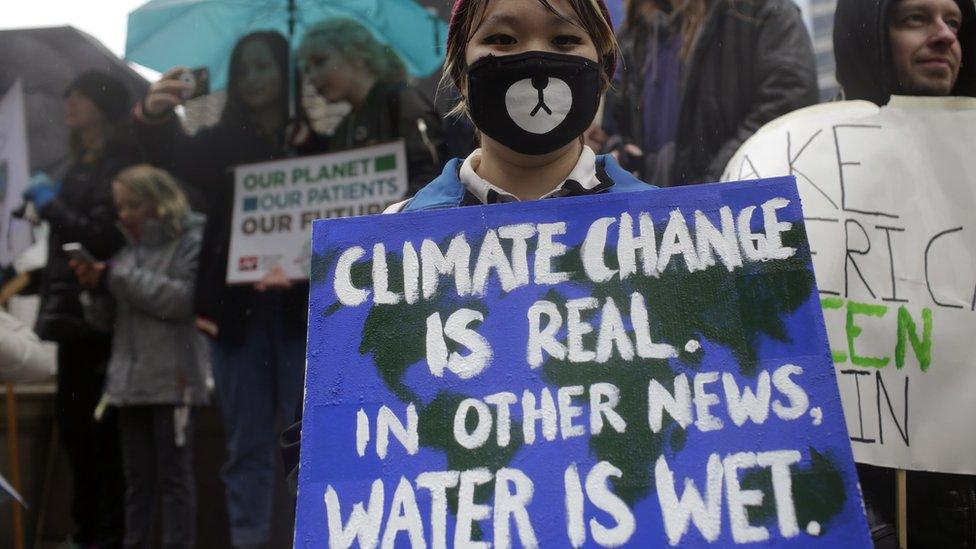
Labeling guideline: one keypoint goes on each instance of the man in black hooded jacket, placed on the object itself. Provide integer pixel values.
(875, 58)
(927, 48)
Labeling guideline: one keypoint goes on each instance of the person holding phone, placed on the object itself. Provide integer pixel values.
(258, 331)
(79, 210)
(159, 362)
(197, 82)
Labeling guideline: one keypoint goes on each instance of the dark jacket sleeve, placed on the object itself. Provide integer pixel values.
(191, 158)
(94, 229)
(785, 77)
(425, 149)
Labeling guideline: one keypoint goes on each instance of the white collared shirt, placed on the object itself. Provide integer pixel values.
(583, 178)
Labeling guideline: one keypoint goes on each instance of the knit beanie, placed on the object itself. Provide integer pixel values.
(105, 91)
(459, 5)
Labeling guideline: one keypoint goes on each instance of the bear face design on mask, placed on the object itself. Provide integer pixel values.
(533, 102)
(539, 104)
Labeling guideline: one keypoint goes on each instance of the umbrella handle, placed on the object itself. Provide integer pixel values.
(292, 65)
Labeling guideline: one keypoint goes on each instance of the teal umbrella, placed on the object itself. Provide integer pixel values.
(167, 33)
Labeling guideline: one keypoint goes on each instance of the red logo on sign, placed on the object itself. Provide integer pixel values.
(247, 264)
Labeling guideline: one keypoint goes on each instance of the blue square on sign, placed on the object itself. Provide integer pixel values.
(250, 204)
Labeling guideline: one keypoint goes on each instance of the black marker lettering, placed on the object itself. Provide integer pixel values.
(880, 387)
(849, 258)
(928, 283)
(860, 412)
(791, 159)
(891, 264)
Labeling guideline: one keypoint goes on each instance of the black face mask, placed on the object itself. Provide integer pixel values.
(534, 102)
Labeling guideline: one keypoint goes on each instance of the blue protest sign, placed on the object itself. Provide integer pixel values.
(641, 369)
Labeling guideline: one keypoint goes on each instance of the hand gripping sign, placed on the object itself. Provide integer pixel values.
(640, 370)
(888, 199)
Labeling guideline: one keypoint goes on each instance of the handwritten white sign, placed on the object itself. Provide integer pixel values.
(888, 196)
(275, 204)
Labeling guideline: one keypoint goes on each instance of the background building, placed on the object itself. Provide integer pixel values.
(819, 16)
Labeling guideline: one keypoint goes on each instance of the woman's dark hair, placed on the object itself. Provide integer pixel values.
(693, 13)
(236, 112)
(110, 96)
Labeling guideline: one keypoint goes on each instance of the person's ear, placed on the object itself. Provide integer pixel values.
(605, 84)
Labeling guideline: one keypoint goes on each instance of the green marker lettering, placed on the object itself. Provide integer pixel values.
(853, 331)
(828, 303)
(907, 332)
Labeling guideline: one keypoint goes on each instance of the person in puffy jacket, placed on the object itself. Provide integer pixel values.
(159, 361)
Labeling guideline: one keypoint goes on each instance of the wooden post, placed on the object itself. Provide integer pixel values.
(14, 448)
(901, 481)
(42, 504)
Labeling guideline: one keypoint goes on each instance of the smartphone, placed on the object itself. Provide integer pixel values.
(74, 250)
(198, 82)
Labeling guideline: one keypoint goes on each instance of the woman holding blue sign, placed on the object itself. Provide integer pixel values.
(531, 76)
(258, 331)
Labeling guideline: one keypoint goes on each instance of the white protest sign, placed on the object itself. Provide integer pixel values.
(275, 204)
(888, 197)
(15, 235)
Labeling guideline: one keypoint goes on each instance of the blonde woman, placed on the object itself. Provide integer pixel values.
(345, 63)
(159, 362)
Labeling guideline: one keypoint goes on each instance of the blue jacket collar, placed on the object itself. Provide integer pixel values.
(447, 191)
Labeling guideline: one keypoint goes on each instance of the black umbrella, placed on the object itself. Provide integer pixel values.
(46, 60)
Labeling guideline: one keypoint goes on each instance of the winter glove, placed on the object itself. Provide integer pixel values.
(41, 190)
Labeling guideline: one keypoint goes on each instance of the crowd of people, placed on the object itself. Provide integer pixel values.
(144, 319)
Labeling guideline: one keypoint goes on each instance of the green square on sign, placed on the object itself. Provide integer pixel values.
(385, 163)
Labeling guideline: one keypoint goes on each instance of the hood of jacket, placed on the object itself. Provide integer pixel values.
(862, 50)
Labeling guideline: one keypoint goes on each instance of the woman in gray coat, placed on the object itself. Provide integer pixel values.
(159, 363)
